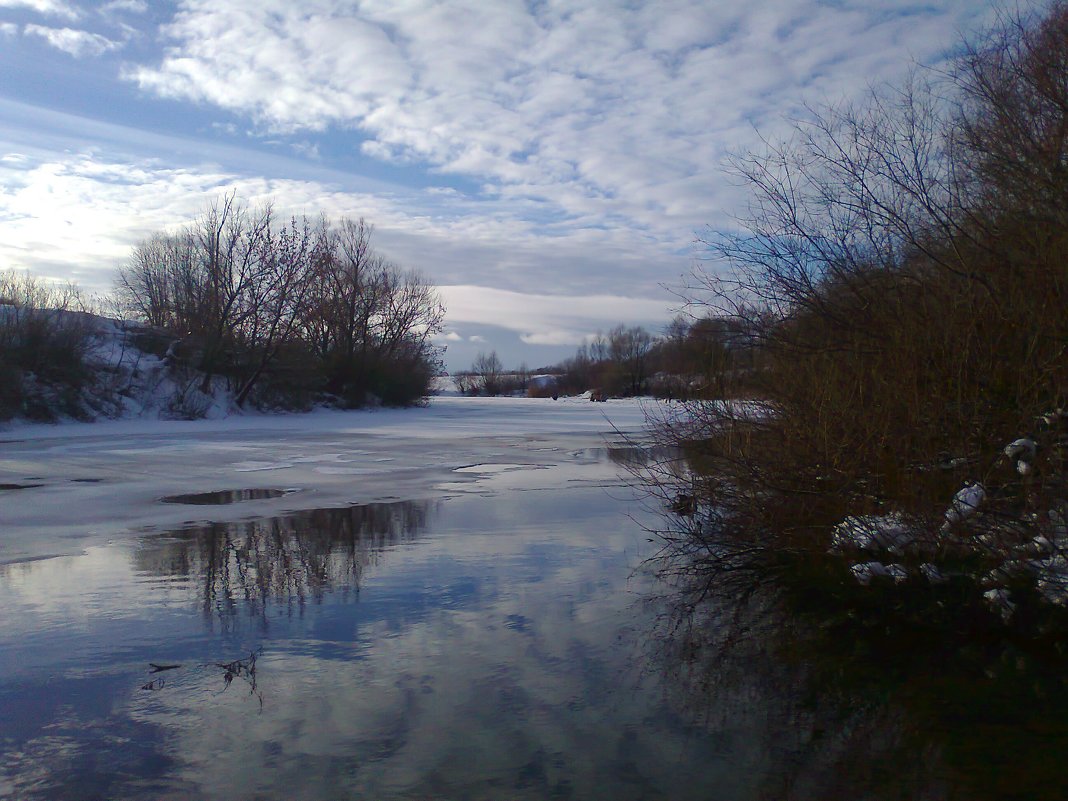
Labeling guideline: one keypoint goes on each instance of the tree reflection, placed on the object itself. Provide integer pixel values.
(841, 704)
(246, 567)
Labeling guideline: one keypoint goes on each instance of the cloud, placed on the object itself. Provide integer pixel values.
(613, 115)
(571, 149)
(55, 8)
(75, 42)
(127, 6)
(8, 29)
(307, 149)
(451, 239)
(553, 338)
(541, 319)
(77, 216)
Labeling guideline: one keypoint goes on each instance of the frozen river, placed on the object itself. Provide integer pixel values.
(68, 487)
(440, 603)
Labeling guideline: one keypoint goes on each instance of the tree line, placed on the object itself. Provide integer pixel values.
(281, 312)
(691, 358)
(278, 306)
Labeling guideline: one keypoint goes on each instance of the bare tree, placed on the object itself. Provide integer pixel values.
(369, 322)
(488, 367)
(275, 298)
(629, 349)
(45, 337)
(244, 290)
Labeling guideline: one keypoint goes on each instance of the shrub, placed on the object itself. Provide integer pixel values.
(902, 277)
(45, 337)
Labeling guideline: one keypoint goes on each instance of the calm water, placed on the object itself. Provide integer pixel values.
(489, 645)
(501, 643)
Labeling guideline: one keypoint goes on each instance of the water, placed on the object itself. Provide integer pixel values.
(503, 642)
(222, 497)
(488, 645)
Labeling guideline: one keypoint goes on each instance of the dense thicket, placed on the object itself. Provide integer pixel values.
(287, 310)
(902, 272)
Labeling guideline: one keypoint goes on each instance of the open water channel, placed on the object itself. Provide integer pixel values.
(490, 643)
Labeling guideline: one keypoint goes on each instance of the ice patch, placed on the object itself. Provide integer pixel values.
(491, 469)
(252, 467)
(346, 471)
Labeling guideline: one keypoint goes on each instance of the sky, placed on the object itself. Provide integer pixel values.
(547, 164)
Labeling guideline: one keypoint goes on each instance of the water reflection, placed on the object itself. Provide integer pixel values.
(847, 705)
(488, 654)
(220, 497)
(634, 455)
(242, 568)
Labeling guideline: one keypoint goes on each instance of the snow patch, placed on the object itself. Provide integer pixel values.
(964, 504)
(890, 532)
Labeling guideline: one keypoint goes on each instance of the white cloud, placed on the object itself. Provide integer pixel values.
(127, 6)
(582, 142)
(307, 149)
(8, 29)
(553, 338)
(55, 8)
(75, 42)
(77, 216)
(615, 114)
(542, 319)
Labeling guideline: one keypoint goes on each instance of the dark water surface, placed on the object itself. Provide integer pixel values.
(222, 497)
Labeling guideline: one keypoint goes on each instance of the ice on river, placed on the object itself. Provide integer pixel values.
(71, 486)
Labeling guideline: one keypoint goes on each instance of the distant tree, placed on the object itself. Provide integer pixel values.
(275, 301)
(488, 368)
(466, 383)
(205, 282)
(628, 350)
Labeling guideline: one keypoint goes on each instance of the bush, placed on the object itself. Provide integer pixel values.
(45, 337)
(902, 280)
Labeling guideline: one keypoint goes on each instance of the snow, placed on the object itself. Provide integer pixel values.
(1023, 452)
(932, 573)
(1023, 449)
(965, 504)
(104, 480)
(865, 572)
(890, 532)
(1000, 602)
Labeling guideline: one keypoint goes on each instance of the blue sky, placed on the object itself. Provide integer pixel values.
(547, 164)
